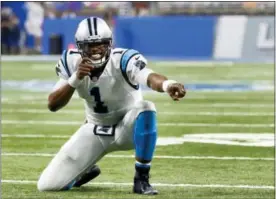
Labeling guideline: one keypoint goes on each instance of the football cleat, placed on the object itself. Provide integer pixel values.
(142, 186)
(93, 173)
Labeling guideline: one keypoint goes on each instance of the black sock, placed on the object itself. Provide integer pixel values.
(141, 171)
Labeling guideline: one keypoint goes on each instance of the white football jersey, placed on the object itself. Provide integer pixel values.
(116, 91)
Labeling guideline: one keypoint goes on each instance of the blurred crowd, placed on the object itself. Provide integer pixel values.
(217, 8)
(10, 32)
(21, 22)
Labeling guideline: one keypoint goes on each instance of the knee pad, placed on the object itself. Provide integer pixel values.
(145, 135)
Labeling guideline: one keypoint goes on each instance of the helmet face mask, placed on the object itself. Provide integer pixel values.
(94, 41)
(98, 52)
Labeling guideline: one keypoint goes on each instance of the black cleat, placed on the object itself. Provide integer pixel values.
(93, 173)
(142, 186)
(141, 182)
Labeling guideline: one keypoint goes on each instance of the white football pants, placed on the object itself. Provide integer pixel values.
(87, 146)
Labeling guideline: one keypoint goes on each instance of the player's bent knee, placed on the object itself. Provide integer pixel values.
(43, 185)
(50, 185)
(39, 185)
(71, 161)
(47, 183)
(53, 178)
(146, 106)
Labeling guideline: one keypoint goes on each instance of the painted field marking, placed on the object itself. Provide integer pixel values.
(190, 64)
(156, 184)
(196, 95)
(225, 105)
(43, 101)
(206, 95)
(73, 123)
(185, 64)
(34, 136)
(236, 139)
(42, 67)
(28, 98)
(45, 111)
(68, 136)
(156, 156)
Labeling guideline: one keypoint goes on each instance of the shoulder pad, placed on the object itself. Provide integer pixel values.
(125, 59)
(67, 63)
(126, 56)
(64, 62)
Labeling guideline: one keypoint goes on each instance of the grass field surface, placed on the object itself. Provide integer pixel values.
(215, 144)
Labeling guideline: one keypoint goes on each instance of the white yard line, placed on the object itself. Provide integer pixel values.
(68, 136)
(230, 95)
(195, 95)
(23, 98)
(194, 63)
(45, 111)
(156, 156)
(43, 101)
(218, 125)
(184, 64)
(27, 98)
(34, 136)
(219, 113)
(225, 105)
(156, 184)
(240, 139)
(73, 123)
(22, 102)
(43, 68)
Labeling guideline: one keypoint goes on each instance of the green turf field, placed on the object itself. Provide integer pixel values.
(184, 166)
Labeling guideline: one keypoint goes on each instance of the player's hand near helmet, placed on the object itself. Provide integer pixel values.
(176, 91)
(84, 68)
(60, 97)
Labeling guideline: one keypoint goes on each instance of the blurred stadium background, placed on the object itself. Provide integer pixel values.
(216, 143)
(48, 27)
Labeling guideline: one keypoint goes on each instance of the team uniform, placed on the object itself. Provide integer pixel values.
(116, 115)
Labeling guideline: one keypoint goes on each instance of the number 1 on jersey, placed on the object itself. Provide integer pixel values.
(99, 108)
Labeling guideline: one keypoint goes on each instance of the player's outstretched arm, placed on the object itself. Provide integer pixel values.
(140, 74)
(62, 95)
(160, 83)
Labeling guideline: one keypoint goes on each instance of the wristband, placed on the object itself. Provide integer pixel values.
(166, 84)
(74, 81)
